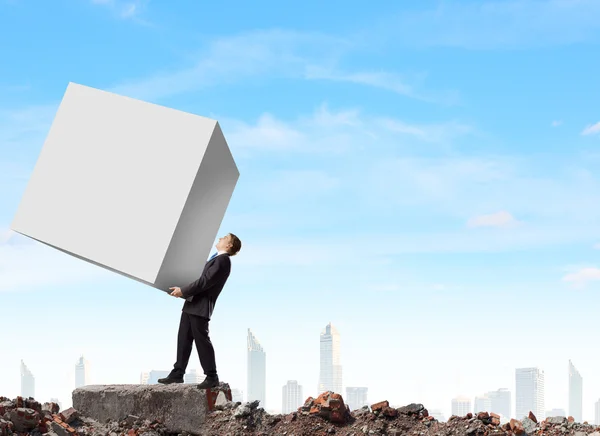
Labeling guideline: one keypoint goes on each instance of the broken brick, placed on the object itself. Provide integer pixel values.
(378, 406)
(69, 415)
(390, 412)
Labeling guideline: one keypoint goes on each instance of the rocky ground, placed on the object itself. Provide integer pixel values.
(325, 415)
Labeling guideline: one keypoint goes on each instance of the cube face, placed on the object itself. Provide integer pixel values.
(137, 188)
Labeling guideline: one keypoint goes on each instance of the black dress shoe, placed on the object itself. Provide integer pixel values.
(209, 382)
(169, 380)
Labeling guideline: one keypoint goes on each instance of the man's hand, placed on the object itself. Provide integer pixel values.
(176, 292)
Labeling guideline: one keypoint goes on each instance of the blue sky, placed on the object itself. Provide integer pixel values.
(421, 174)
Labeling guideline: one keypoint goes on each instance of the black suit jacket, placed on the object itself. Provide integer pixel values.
(207, 288)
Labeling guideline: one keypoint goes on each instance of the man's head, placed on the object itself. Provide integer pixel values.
(229, 243)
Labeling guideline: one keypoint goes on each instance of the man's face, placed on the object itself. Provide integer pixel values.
(224, 242)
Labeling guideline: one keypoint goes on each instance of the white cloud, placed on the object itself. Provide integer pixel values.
(331, 131)
(430, 133)
(591, 129)
(582, 277)
(274, 53)
(597, 246)
(231, 59)
(383, 80)
(556, 123)
(498, 219)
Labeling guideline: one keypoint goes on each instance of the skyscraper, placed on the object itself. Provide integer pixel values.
(291, 396)
(529, 393)
(575, 393)
(461, 406)
(356, 397)
(81, 373)
(330, 375)
(257, 371)
(27, 382)
(501, 403)
(144, 377)
(482, 404)
(597, 412)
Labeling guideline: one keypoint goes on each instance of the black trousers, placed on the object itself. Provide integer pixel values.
(193, 328)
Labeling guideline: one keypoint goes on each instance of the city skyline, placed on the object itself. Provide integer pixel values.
(419, 174)
(529, 388)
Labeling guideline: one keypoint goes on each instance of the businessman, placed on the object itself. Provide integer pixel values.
(201, 297)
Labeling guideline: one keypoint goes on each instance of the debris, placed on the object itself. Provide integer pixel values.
(325, 415)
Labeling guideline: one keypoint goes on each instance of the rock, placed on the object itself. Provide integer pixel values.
(390, 412)
(411, 409)
(516, 426)
(24, 419)
(529, 425)
(571, 419)
(483, 416)
(69, 415)
(221, 400)
(243, 410)
(556, 419)
(162, 402)
(132, 420)
(330, 406)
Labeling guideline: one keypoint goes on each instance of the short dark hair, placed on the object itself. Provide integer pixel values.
(236, 245)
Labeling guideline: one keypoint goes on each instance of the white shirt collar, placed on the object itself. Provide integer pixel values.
(221, 252)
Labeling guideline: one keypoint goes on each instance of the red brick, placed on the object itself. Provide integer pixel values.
(378, 406)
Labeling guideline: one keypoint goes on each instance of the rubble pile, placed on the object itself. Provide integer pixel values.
(324, 415)
(27, 416)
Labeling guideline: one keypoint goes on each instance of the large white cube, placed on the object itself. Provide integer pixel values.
(134, 187)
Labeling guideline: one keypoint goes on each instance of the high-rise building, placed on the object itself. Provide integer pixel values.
(482, 404)
(597, 413)
(257, 371)
(575, 393)
(154, 375)
(529, 393)
(193, 376)
(27, 382)
(356, 397)
(82, 375)
(330, 374)
(291, 396)
(501, 403)
(461, 406)
(144, 377)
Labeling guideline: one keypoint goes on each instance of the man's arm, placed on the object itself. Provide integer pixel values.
(213, 274)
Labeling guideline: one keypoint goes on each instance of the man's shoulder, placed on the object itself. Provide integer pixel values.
(224, 258)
